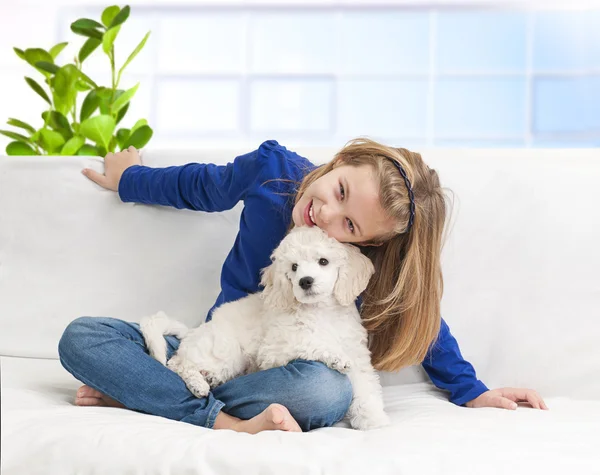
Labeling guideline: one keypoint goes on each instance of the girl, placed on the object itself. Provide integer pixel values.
(384, 199)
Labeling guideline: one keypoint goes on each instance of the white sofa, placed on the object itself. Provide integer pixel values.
(522, 297)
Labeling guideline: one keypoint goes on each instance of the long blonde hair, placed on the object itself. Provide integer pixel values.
(401, 305)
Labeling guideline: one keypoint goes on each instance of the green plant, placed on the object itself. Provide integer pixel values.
(62, 132)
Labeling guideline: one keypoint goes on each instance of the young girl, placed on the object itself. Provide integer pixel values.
(384, 199)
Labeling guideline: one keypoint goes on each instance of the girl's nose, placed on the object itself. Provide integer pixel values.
(326, 214)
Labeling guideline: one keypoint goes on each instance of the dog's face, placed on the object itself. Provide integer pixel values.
(310, 267)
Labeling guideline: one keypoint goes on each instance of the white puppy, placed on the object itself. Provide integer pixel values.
(307, 310)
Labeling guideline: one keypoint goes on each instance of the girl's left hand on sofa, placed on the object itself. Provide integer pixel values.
(507, 398)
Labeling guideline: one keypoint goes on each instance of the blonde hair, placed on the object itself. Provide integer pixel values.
(401, 305)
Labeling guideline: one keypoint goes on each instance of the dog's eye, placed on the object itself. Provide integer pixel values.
(323, 262)
(294, 267)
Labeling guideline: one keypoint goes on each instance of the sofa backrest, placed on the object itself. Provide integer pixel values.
(522, 286)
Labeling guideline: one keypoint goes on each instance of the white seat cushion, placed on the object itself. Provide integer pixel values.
(44, 433)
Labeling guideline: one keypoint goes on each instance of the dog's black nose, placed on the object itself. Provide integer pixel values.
(306, 282)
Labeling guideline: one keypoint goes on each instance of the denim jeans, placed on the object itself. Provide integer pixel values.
(109, 355)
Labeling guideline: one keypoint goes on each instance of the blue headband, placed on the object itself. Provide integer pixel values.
(410, 195)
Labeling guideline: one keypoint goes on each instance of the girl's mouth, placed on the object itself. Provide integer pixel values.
(309, 215)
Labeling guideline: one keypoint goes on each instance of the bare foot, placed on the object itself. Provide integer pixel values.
(87, 396)
(274, 417)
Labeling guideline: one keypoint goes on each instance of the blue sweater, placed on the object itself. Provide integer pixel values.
(263, 224)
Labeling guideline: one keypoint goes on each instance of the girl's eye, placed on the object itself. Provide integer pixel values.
(323, 261)
(343, 195)
(294, 267)
(350, 225)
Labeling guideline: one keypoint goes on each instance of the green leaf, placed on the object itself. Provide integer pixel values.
(86, 23)
(138, 124)
(140, 137)
(106, 96)
(56, 49)
(19, 148)
(90, 104)
(98, 129)
(65, 93)
(73, 146)
(35, 55)
(51, 140)
(82, 86)
(65, 79)
(88, 48)
(37, 88)
(122, 136)
(20, 53)
(21, 124)
(137, 49)
(88, 79)
(112, 144)
(105, 93)
(15, 136)
(88, 150)
(122, 112)
(120, 17)
(124, 98)
(89, 32)
(46, 66)
(109, 39)
(58, 122)
(109, 14)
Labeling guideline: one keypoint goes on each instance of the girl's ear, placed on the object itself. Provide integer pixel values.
(354, 277)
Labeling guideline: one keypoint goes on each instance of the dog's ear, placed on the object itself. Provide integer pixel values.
(278, 292)
(353, 277)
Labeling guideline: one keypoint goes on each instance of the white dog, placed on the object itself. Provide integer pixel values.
(307, 310)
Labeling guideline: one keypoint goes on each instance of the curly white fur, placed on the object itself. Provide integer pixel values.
(317, 321)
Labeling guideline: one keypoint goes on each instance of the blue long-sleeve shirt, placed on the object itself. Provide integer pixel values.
(266, 181)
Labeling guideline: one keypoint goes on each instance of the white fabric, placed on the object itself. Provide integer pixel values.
(43, 433)
(522, 297)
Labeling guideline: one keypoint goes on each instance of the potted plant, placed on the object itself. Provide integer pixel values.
(71, 127)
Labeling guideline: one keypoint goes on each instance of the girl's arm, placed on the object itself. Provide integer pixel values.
(195, 186)
(450, 371)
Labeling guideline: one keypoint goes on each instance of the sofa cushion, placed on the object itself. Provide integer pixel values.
(44, 433)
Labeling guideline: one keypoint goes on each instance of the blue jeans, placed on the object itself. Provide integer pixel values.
(109, 355)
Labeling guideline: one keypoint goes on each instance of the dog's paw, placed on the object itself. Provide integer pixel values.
(174, 364)
(335, 362)
(198, 387)
(212, 379)
(370, 420)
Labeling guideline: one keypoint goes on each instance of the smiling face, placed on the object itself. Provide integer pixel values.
(345, 204)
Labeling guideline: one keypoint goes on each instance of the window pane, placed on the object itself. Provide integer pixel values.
(384, 42)
(478, 108)
(285, 105)
(292, 42)
(473, 41)
(392, 108)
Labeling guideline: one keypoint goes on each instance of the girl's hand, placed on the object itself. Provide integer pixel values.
(114, 166)
(507, 398)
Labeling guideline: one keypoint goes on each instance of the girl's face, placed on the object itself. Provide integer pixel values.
(345, 204)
